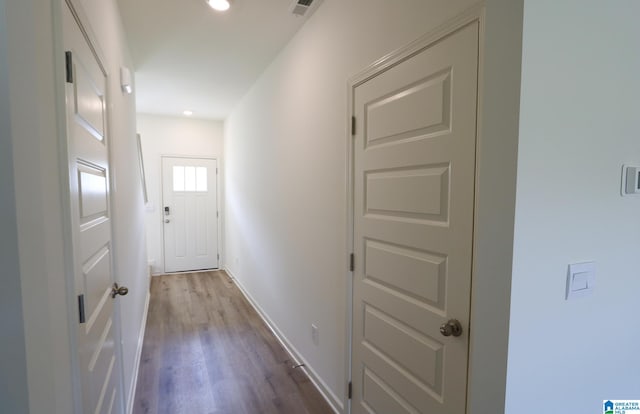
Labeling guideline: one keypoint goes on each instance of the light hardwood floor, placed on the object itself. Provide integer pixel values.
(206, 351)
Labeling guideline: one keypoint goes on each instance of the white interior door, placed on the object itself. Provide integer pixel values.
(414, 169)
(88, 157)
(190, 214)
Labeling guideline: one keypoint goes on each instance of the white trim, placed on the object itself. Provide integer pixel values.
(136, 369)
(186, 272)
(473, 14)
(349, 190)
(320, 385)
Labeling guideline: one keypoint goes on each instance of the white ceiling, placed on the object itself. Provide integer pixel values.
(188, 56)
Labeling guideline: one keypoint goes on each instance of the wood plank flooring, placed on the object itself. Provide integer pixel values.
(206, 351)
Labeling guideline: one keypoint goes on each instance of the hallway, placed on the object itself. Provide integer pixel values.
(206, 350)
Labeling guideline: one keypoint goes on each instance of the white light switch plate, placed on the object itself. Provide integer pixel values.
(581, 280)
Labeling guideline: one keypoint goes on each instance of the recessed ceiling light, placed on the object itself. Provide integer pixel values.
(220, 5)
(188, 113)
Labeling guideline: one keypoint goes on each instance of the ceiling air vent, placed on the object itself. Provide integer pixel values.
(301, 7)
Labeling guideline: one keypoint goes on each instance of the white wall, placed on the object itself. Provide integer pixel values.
(177, 136)
(580, 113)
(495, 204)
(36, 105)
(286, 167)
(38, 204)
(13, 364)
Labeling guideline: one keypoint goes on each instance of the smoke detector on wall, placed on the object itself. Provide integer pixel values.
(304, 7)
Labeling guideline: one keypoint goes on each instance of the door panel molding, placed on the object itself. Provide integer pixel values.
(434, 128)
(86, 188)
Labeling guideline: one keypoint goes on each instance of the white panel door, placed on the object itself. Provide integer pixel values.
(414, 169)
(88, 157)
(190, 216)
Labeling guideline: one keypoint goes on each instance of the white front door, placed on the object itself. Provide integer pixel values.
(189, 214)
(88, 158)
(414, 180)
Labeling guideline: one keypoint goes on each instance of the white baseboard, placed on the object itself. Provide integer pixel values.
(134, 382)
(332, 399)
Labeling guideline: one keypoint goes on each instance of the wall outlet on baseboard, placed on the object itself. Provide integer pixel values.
(315, 335)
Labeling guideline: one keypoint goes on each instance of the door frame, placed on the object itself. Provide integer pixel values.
(80, 17)
(475, 14)
(219, 205)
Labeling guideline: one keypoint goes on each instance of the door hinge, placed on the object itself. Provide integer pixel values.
(350, 390)
(68, 62)
(216, 170)
(352, 262)
(218, 256)
(81, 313)
(217, 214)
(353, 125)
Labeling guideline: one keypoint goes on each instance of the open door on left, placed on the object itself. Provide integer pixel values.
(88, 162)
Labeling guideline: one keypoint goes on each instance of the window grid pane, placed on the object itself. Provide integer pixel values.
(178, 178)
(190, 178)
(201, 179)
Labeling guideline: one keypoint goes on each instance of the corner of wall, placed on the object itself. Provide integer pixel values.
(33, 70)
(13, 364)
(495, 204)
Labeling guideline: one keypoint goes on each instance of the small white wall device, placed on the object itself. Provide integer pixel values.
(125, 80)
(630, 180)
(581, 280)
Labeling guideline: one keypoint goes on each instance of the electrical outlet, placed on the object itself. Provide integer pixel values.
(315, 334)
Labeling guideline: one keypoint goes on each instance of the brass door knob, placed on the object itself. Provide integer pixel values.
(452, 327)
(118, 290)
